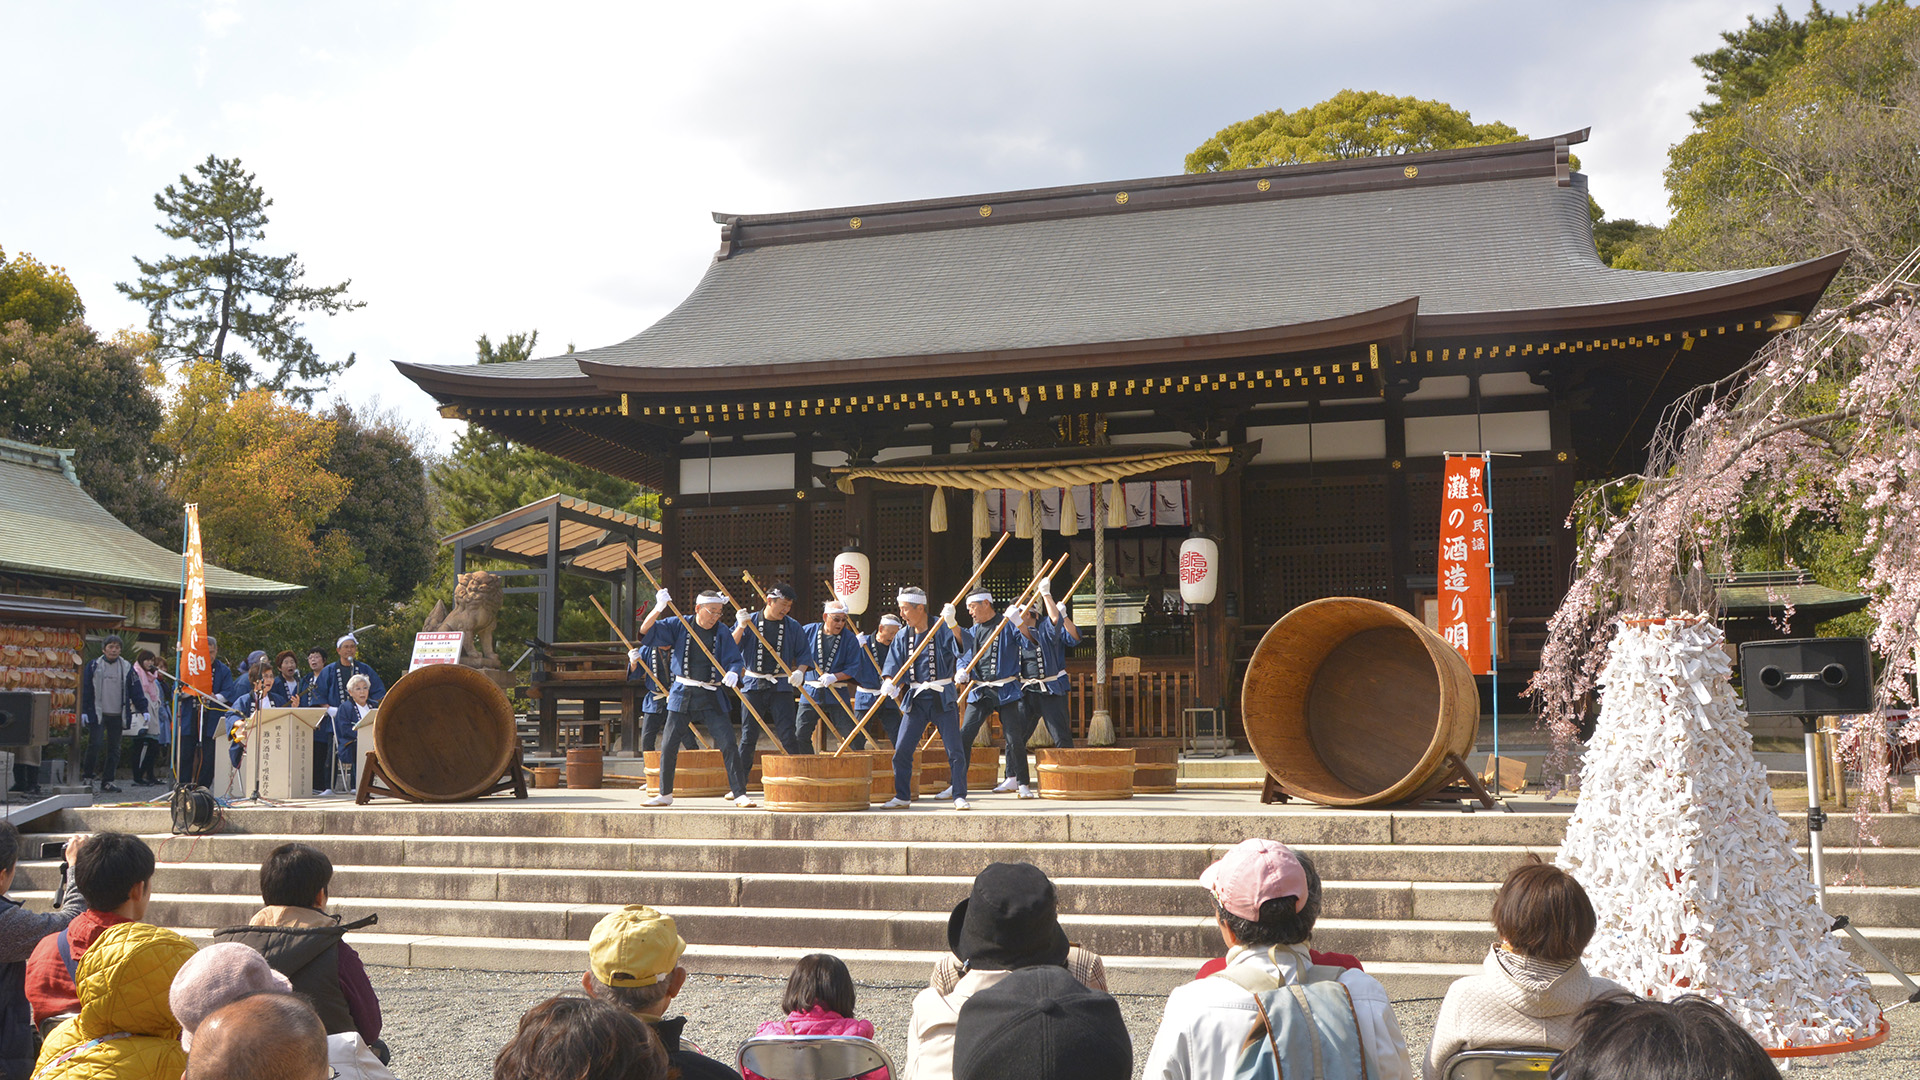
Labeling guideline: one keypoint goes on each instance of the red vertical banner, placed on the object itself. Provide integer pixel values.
(196, 655)
(1465, 583)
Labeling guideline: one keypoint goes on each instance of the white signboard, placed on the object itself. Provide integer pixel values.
(436, 647)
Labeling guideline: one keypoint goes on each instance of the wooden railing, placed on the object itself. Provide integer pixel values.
(1146, 705)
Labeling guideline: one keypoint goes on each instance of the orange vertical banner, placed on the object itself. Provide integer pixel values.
(1465, 581)
(196, 669)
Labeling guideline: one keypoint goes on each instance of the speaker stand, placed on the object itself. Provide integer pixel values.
(1816, 821)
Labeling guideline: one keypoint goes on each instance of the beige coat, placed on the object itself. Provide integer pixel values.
(1516, 1001)
(930, 1036)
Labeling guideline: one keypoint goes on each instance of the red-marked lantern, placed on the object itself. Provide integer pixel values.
(1199, 570)
(852, 580)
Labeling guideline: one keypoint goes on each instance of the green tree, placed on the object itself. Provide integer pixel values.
(1825, 157)
(1758, 53)
(1350, 124)
(202, 306)
(387, 515)
(42, 295)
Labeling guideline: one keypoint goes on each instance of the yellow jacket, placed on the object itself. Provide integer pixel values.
(125, 1030)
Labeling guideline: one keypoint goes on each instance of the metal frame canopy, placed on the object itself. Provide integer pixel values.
(563, 534)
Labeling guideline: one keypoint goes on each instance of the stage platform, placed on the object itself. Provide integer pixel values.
(504, 884)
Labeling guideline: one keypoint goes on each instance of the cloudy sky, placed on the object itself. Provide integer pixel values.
(485, 168)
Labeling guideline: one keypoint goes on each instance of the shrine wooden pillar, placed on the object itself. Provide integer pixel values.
(807, 600)
(1209, 645)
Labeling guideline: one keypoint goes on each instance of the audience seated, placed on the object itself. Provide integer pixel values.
(819, 1001)
(114, 874)
(1266, 898)
(227, 971)
(1532, 984)
(1689, 1038)
(1082, 963)
(1009, 921)
(1041, 1023)
(575, 1038)
(20, 931)
(304, 943)
(267, 1036)
(124, 1028)
(633, 961)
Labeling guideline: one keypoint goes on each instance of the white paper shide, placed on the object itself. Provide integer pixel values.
(1690, 868)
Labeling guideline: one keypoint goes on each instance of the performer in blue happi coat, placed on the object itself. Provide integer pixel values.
(653, 705)
(768, 688)
(698, 693)
(831, 662)
(996, 676)
(873, 646)
(1042, 648)
(927, 693)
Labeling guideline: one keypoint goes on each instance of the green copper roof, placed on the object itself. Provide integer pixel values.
(1765, 594)
(50, 527)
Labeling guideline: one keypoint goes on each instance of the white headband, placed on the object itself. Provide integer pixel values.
(835, 607)
(891, 620)
(346, 638)
(981, 597)
(709, 598)
(912, 596)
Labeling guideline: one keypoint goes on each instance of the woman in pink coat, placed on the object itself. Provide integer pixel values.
(819, 1001)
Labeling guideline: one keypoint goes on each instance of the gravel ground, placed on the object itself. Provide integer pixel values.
(447, 1025)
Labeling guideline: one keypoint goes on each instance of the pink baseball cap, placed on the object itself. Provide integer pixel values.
(1253, 872)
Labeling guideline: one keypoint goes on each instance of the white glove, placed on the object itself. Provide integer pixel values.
(889, 689)
(947, 616)
(634, 657)
(796, 678)
(742, 617)
(661, 598)
(824, 682)
(962, 677)
(87, 720)
(731, 678)
(222, 699)
(1046, 588)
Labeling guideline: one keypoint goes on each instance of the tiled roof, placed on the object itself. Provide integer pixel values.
(50, 527)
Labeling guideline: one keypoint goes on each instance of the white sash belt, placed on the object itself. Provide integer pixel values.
(996, 682)
(682, 680)
(1025, 683)
(937, 684)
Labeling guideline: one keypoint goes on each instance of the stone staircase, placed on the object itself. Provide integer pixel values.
(504, 887)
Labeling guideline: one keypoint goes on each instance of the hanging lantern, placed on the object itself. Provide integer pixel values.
(852, 580)
(1199, 570)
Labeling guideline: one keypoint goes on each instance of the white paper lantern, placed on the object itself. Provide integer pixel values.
(1199, 570)
(852, 580)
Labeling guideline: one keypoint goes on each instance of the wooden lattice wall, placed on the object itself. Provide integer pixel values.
(732, 539)
(1525, 522)
(1309, 537)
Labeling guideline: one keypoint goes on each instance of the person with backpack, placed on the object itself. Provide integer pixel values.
(1272, 1009)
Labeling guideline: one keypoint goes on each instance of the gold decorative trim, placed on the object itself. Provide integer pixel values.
(1264, 185)
(1412, 171)
(1121, 198)
(854, 223)
(986, 211)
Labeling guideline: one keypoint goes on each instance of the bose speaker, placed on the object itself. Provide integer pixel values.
(24, 717)
(1807, 677)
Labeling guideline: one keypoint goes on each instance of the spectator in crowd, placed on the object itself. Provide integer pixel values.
(152, 736)
(1266, 898)
(1532, 984)
(310, 680)
(819, 1001)
(575, 1038)
(1688, 1038)
(1040, 1023)
(304, 943)
(1082, 963)
(124, 1028)
(343, 737)
(270, 1036)
(227, 971)
(109, 693)
(1009, 921)
(633, 961)
(114, 874)
(20, 931)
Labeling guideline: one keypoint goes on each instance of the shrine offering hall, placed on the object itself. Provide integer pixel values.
(1274, 358)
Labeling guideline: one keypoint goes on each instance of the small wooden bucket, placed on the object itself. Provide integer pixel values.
(883, 774)
(1156, 769)
(1091, 773)
(585, 767)
(545, 776)
(697, 774)
(983, 769)
(818, 782)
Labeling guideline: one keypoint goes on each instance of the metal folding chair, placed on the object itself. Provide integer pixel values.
(813, 1057)
(1524, 1063)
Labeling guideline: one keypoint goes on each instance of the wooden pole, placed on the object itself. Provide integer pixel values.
(705, 743)
(931, 631)
(1045, 572)
(856, 629)
(712, 659)
(764, 643)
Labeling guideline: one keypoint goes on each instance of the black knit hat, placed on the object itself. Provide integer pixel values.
(1010, 921)
(1041, 1024)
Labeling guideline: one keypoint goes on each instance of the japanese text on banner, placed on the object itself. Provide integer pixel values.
(196, 652)
(1464, 587)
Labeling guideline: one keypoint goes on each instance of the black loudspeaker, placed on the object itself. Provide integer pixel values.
(24, 716)
(1807, 677)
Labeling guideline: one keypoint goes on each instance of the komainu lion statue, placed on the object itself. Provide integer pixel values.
(476, 609)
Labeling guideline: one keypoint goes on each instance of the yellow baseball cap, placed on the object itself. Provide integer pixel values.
(635, 946)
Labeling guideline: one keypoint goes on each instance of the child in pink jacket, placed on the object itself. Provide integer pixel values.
(819, 1001)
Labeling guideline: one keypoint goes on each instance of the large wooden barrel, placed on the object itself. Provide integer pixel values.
(818, 782)
(445, 733)
(1351, 702)
(1156, 768)
(697, 774)
(883, 774)
(1104, 772)
(983, 769)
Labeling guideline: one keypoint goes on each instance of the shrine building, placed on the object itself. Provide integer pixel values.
(1276, 358)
